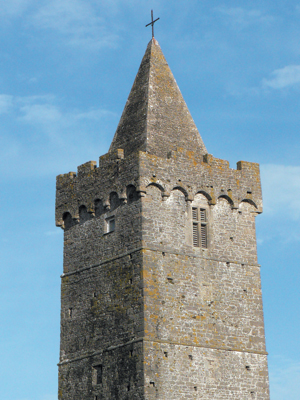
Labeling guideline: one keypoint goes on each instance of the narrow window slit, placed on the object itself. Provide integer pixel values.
(97, 375)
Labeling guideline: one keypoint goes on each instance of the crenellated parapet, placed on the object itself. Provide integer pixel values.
(210, 176)
(94, 189)
(95, 186)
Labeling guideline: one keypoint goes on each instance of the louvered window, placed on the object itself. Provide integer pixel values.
(195, 213)
(195, 235)
(203, 236)
(203, 214)
(199, 217)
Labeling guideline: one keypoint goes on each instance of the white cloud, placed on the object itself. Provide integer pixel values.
(80, 22)
(94, 114)
(284, 379)
(241, 17)
(40, 113)
(6, 103)
(13, 7)
(48, 137)
(281, 190)
(45, 111)
(284, 77)
(281, 199)
(84, 23)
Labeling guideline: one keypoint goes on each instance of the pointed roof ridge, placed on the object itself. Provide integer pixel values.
(155, 118)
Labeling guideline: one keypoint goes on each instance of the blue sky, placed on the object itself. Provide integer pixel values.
(66, 69)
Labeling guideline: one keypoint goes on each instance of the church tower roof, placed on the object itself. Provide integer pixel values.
(156, 119)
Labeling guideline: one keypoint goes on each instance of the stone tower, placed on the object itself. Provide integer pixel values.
(160, 295)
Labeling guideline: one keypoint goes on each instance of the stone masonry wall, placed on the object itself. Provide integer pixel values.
(121, 375)
(193, 301)
(88, 243)
(163, 319)
(233, 199)
(180, 372)
(101, 307)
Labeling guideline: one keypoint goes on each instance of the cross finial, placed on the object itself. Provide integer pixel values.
(152, 23)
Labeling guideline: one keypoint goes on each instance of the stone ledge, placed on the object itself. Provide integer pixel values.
(162, 250)
(145, 339)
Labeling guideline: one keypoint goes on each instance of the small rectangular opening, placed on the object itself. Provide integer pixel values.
(97, 374)
(110, 224)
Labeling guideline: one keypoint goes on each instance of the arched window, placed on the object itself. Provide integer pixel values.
(99, 209)
(68, 220)
(132, 194)
(84, 215)
(114, 200)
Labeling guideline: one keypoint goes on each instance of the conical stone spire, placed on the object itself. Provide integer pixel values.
(156, 118)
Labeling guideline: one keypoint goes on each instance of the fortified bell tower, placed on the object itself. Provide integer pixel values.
(160, 295)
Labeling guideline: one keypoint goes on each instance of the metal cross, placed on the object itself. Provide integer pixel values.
(152, 23)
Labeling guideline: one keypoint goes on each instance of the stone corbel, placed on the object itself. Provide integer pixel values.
(141, 191)
(123, 197)
(165, 195)
(106, 205)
